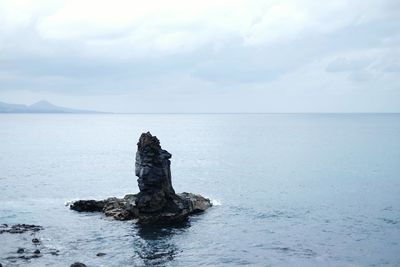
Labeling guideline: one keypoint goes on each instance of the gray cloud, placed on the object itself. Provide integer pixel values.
(346, 65)
(392, 68)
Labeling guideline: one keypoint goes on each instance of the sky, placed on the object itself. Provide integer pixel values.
(202, 56)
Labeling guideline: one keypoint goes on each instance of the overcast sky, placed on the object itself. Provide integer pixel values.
(202, 56)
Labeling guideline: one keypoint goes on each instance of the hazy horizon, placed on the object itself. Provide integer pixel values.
(202, 57)
(100, 112)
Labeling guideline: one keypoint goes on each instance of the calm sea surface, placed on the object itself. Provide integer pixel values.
(289, 190)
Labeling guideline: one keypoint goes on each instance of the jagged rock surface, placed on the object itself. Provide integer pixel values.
(157, 202)
(153, 169)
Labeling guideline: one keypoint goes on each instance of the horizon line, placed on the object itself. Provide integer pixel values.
(199, 113)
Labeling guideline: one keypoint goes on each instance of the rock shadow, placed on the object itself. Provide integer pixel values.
(155, 245)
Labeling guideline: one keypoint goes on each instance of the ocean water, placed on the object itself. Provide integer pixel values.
(288, 189)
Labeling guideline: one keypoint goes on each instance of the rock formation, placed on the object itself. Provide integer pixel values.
(157, 202)
(153, 169)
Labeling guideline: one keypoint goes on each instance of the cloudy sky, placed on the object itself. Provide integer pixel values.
(202, 56)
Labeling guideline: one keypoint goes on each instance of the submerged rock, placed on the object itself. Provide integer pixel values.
(19, 228)
(77, 264)
(157, 202)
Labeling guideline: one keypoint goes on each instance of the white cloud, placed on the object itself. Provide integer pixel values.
(174, 26)
(16, 14)
(241, 53)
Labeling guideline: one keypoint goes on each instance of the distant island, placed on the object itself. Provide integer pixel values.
(39, 107)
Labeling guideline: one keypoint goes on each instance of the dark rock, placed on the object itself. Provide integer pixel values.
(24, 257)
(36, 252)
(19, 228)
(152, 166)
(54, 252)
(197, 203)
(87, 205)
(78, 264)
(156, 203)
(100, 254)
(20, 250)
(117, 208)
(35, 241)
(177, 209)
(1, 265)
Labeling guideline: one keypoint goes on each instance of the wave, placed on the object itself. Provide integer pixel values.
(216, 202)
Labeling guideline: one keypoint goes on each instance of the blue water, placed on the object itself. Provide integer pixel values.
(290, 190)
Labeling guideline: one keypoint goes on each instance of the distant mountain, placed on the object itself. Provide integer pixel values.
(39, 107)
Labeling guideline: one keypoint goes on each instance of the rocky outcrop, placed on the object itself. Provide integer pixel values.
(157, 202)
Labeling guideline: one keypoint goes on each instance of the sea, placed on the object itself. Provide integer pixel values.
(287, 189)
